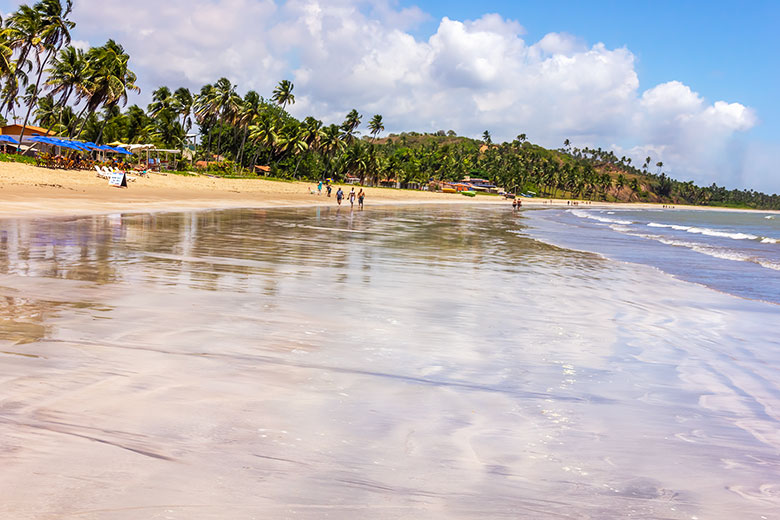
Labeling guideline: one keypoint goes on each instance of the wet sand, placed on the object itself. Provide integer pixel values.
(398, 363)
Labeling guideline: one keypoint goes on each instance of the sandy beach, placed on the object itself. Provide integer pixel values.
(29, 190)
(32, 191)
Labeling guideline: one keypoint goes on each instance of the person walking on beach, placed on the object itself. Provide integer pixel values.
(361, 196)
(352, 197)
(328, 187)
(319, 188)
(339, 196)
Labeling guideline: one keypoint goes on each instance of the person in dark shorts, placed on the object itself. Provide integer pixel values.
(339, 196)
(329, 188)
(361, 196)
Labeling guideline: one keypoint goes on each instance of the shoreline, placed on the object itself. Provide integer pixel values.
(31, 192)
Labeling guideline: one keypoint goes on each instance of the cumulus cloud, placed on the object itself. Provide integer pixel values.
(468, 76)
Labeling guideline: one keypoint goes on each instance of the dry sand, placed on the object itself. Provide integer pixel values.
(31, 191)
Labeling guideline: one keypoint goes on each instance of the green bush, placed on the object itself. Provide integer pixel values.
(13, 157)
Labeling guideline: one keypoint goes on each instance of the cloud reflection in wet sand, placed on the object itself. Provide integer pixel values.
(430, 362)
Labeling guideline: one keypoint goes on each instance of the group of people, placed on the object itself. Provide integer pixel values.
(517, 203)
(360, 195)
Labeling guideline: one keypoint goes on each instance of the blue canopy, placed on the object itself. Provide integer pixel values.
(39, 139)
(119, 150)
(8, 139)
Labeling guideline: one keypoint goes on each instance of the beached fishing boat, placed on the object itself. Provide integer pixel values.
(469, 193)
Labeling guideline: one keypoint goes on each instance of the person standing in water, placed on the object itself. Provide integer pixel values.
(339, 196)
(352, 197)
(361, 196)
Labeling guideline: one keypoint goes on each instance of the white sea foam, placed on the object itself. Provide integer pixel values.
(724, 254)
(770, 217)
(619, 228)
(723, 234)
(767, 240)
(671, 226)
(605, 220)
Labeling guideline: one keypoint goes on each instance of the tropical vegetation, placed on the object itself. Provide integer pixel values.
(83, 94)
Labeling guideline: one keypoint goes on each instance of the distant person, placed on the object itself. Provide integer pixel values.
(514, 203)
(319, 188)
(361, 196)
(339, 196)
(519, 204)
(352, 197)
(328, 187)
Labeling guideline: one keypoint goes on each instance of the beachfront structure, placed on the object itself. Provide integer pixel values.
(15, 131)
(479, 184)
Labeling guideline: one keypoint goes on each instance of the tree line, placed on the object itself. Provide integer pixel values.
(83, 94)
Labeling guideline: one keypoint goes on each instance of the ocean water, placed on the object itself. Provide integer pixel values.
(733, 252)
(401, 362)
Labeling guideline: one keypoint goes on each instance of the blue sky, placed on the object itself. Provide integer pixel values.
(724, 50)
(690, 83)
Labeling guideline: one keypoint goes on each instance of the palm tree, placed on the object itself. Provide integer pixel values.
(350, 124)
(330, 144)
(47, 111)
(182, 104)
(486, 137)
(206, 113)
(226, 103)
(248, 111)
(376, 125)
(162, 100)
(264, 132)
(40, 30)
(67, 75)
(109, 80)
(283, 94)
(7, 65)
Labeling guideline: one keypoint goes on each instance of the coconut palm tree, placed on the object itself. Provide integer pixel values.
(283, 95)
(350, 124)
(40, 31)
(7, 64)
(486, 137)
(109, 79)
(162, 100)
(182, 104)
(206, 112)
(67, 75)
(265, 132)
(47, 111)
(376, 125)
(330, 144)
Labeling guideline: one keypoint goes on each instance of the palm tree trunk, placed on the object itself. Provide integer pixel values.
(35, 93)
(83, 122)
(241, 149)
(100, 134)
(62, 106)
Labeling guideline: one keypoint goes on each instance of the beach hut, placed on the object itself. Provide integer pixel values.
(15, 131)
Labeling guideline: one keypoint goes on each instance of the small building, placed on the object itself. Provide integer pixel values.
(16, 130)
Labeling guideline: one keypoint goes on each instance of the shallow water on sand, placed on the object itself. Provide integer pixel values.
(418, 362)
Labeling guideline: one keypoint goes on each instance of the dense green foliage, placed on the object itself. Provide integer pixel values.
(81, 94)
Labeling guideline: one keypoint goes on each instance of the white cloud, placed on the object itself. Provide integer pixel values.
(468, 76)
